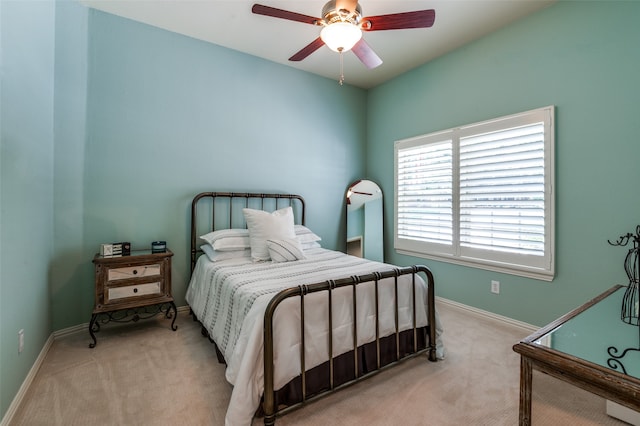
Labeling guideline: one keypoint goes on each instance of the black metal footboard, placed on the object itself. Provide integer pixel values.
(269, 402)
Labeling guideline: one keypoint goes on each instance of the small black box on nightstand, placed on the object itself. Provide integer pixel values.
(158, 247)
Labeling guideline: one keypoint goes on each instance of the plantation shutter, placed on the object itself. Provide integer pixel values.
(480, 195)
(502, 191)
(424, 182)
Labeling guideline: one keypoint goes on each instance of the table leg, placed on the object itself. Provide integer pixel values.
(525, 391)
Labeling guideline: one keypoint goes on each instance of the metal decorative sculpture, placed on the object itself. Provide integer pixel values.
(630, 299)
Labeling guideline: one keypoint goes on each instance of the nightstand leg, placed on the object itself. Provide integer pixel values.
(92, 323)
(174, 327)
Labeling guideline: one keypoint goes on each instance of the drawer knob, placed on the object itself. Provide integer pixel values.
(135, 272)
(135, 290)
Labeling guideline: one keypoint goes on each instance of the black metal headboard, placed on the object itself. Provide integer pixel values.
(223, 210)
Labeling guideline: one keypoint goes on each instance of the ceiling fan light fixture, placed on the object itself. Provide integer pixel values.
(341, 36)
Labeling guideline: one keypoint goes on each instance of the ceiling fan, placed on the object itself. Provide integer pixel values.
(343, 23)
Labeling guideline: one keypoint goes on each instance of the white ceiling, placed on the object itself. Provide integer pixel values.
(231, 24)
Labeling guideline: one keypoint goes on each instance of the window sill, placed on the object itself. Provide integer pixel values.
(534, 273)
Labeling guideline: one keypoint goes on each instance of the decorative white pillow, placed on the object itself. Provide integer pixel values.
(228, 239)
(285, 250)
(305, 235)
(216, 256)
(264, 225)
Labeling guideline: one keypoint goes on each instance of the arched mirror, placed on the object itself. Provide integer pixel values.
(364, 220)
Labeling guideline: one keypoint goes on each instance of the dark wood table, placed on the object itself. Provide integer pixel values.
(590, 347)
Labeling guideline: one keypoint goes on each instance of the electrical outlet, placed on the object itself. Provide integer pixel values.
(20, 341)
(495, 287)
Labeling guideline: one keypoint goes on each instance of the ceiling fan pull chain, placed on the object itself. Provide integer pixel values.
(341, 68)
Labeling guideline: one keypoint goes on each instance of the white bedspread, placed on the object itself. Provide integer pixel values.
(230, 297)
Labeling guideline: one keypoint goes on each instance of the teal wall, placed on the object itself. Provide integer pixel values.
(373, 230)
(26, 185)
(355, 223)
(168, 116)
(581, 57)
(69, 280)
(110, 127)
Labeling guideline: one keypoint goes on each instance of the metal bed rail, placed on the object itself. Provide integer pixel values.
(269, 408)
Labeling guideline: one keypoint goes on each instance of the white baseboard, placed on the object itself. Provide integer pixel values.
(488, 315)
(623, 413)
(17, 400)
(70, 330)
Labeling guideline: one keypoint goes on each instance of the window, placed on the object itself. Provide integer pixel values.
(480, 195)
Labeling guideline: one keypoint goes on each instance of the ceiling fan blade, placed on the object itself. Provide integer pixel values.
(260, 9)
(399, 21)
(366, 54)
(307, 50)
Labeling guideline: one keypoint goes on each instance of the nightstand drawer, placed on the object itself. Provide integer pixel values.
(115, 293)
(133, 272)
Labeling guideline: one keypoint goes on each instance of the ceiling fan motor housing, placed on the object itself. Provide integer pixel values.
(331, 14)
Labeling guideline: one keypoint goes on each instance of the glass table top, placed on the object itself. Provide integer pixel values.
(598, 335)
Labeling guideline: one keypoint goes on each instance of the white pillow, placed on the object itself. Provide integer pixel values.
(285, 250)
(264, 225)
(305, 235)
(228, 239)
(216, 256)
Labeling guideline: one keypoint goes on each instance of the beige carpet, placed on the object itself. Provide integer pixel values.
(144, 373)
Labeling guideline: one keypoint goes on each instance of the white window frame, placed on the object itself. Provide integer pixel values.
(540, 267)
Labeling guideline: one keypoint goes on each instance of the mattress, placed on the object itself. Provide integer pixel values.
(229, 298)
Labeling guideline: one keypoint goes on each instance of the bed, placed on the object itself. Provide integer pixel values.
(279, 307)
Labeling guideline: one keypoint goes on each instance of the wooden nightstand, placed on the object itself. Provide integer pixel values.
(130, 288)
